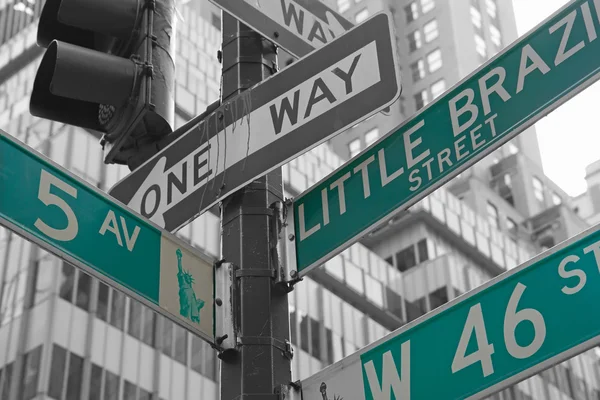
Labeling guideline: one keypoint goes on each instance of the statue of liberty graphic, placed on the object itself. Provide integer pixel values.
(189, 305)
(323, 389)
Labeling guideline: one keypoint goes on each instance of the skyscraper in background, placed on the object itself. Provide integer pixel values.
(64, 335)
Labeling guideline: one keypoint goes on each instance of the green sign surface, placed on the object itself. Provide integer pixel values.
(514, 326)
(512, 91)
(68, 217)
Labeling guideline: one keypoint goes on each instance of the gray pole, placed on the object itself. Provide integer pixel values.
(260, 367)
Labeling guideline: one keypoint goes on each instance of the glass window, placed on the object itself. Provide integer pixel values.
(538, 189)
(343, 5)
(430, 31)
(75, 376)
(129, 390)
(434, 60)
(492, 8)
(492, 212)
(83, 290)
(418, 70)
(496, 36)
(180, 344)
(67, 282)
(421, 99)
(111, 386)
(167, 337)
(135, 319)
(117, 311)
(315, 334)
(556, 199)
(412, 11)
(476, 17)
(59, 360)
(149, 323)
(438, 297)
(371, 136)
(438, 88)
(480, 46)
(427, 5)
(95, 382)
(423, 251)
(5, 379)
(406, 259)
(511, 225)
(31, 369)
(144, 395)
(361, 15)
(354, 147)
(102, 308)
(197, 356)
(414, 41)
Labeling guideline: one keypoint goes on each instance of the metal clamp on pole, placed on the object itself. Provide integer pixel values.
(287, 249)
(224, 309)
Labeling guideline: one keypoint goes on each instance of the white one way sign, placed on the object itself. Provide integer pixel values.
(289, 113)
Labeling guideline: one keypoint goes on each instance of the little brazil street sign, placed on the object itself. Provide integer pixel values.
(299, 26)
(269, 124)
(68, 217)
(522, 322)
(529, 79)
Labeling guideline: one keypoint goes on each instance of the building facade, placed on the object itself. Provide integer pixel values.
(67, 336)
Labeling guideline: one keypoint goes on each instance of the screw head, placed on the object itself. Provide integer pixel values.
(294, 273)
(291, 236)
(276, 34)
(218, 302)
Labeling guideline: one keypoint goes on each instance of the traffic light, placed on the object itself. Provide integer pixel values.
(109, 67)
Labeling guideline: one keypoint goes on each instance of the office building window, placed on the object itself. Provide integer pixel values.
(496, 36)
(480, 46)
(492, 212)
(354, 147)
(427, 5)
(371, 136)
(507, 180)
(438, 88)
(117, 311)
(418, 70)
(57, 371)
(31, 369)
(361, 15)
(423, 250)
(476, 17)
(111, 385)
(492, 8)
(421, 99)
(414, 41)
(438, 297)
(511, 225)
(434, 60)
(343, 5)
(406, 259)
(430, 30)
(412, 11)
(102, 307)
(95, 382)
(556, 199)
(538, 189)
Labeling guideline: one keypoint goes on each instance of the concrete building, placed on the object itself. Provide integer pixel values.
(66, 336)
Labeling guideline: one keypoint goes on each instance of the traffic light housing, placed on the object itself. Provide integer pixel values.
(109, 67)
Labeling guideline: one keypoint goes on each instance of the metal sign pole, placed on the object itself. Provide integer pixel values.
(259, 364)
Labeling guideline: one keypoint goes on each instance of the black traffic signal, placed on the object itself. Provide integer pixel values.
(109, 67)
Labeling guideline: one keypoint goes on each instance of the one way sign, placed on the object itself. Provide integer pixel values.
(284, 116)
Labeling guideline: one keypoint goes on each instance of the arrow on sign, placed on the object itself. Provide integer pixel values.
(266, 126)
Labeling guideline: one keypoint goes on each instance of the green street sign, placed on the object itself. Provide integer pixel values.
(526, 81)
(48, 205)
(514, 326)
